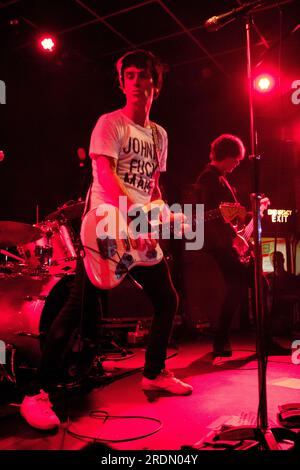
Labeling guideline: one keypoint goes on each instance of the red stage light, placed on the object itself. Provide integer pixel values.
(264, 83)
(47, 43)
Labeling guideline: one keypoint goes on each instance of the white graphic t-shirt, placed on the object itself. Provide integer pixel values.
(116, 136)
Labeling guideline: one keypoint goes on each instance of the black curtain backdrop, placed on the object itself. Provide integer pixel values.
(53, 103)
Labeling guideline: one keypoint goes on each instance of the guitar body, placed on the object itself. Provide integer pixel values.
(111, 249)
(242, 242)
(243, 247)
(110, 257)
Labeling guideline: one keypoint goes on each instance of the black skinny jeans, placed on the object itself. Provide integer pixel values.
(84, 297)
(237, 276)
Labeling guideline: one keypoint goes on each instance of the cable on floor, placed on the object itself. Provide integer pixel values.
(103, 415)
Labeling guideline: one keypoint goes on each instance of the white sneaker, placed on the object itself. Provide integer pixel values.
(218, 361)
(167, 382)
(37, 411)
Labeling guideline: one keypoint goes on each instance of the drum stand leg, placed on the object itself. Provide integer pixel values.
(108, 343)
(7, 367)
(109, 347)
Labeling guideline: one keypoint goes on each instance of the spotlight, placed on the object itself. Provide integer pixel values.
(264, 83)
(47, 43)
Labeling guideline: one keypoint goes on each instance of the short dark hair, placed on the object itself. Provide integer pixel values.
(145, 60)
(226, 145)
(277, 257)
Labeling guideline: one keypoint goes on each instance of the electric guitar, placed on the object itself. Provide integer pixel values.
(242, 243)
(111, 249)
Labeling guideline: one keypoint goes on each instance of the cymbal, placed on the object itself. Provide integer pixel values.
(70, 211)
(17, 233)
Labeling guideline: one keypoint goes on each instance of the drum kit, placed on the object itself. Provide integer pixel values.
(35, 282)
(49, 247)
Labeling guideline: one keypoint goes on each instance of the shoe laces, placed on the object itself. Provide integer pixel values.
(167, 373)
(43, 399)
(170, 375)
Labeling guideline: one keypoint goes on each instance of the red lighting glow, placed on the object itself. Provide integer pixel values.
(47, 44)
(296, 132)
(264, 83)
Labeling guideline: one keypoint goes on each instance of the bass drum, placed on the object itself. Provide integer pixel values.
(28, 307)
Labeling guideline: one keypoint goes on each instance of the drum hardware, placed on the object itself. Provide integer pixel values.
(10, 268)
(7, 370)
(15, 233)
(70, 210)
(54, 252)
(32, 293)
(7, 269)
(29, 335)
(11, 255)
(72, 258)
(30, 298)
(47, 247)
(44, 254)
(29, 306)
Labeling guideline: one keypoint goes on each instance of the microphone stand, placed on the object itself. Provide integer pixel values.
(266, 437)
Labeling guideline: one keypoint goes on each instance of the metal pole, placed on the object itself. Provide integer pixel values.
(262, 418)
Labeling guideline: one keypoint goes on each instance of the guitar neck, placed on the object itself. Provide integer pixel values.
(212, 214)
(248, 231)
(209, 215)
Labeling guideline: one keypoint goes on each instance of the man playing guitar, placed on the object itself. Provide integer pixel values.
(128, 153)
(228, 246)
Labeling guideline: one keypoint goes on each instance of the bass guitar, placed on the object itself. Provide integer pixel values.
(111, 250)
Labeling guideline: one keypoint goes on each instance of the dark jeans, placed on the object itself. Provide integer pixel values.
(83, 311)
(237, 276)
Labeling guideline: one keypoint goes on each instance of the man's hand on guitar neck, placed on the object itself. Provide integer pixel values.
(240, 245)
(264, 204)
(162, 217)
(178, 220)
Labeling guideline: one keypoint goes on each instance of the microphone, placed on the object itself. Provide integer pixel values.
(217, 22)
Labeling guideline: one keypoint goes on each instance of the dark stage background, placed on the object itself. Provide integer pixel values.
(54, 100)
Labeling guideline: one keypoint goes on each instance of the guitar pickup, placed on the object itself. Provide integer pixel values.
(123, 265)
(107, 247)
(151, 253)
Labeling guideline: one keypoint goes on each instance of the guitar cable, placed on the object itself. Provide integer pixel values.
(134, 281)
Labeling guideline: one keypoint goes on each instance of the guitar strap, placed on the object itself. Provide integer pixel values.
(155, 142)
(87, 202)
(225, 182)
(156, 155)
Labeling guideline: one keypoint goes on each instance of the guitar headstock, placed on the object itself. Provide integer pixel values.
(264, 204)
(232, 210)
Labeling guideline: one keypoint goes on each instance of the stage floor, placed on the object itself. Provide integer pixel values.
(222, 394)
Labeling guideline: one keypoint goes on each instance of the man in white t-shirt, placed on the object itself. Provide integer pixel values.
(128, 153)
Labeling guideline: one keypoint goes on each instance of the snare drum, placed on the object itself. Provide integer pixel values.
(54, 252)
